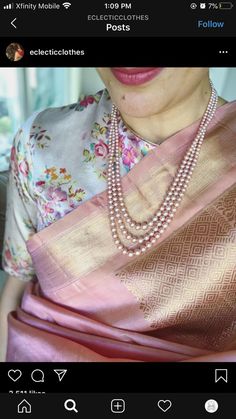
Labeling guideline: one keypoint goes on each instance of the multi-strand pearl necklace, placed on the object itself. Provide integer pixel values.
(151, 230)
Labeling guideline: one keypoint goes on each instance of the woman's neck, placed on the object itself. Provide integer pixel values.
(158, 127)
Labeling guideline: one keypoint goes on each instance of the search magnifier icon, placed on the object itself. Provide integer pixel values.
(70, 405)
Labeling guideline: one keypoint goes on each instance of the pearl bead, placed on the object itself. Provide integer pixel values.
(160, 221)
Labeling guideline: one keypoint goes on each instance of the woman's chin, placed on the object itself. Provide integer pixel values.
(133, 108)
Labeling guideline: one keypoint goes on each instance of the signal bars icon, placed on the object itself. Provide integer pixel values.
(9, 6)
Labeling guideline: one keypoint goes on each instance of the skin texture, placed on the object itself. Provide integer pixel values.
(18, 55)
(10, 298)
(172, 100)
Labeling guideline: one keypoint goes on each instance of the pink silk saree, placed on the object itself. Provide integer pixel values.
(175, 303)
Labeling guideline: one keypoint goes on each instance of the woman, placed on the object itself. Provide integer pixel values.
(15, 52)
(134, 269)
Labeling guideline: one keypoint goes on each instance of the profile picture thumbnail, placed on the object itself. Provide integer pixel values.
(15, 51)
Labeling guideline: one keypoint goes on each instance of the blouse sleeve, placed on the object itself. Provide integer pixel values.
(21, 214)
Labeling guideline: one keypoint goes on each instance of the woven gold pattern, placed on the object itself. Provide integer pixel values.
(186, 287)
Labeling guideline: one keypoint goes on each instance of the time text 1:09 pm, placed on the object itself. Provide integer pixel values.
(117, 6)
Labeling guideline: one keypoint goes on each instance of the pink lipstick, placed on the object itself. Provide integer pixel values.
(132, 76)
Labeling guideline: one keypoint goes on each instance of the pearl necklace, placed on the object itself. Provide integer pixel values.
(154, 227)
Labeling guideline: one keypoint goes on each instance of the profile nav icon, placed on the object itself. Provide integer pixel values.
(221, 375)
(61, 374)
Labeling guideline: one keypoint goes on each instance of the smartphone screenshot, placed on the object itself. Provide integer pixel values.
(117, 209)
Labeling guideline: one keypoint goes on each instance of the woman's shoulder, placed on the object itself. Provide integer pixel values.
(63, 122)
(75, 114)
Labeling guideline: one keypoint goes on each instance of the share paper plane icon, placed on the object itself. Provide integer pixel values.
(60, 374)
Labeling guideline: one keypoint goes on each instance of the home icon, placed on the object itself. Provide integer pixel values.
(24, 407)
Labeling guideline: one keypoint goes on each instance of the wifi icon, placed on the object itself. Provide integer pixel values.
(66, 5)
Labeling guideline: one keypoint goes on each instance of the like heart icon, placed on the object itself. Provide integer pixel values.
(164, 405)
(14, 375)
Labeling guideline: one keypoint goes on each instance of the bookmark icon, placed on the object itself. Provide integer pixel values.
(60, 374)
(221, 375)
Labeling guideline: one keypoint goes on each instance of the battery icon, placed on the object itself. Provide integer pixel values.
(226, 5)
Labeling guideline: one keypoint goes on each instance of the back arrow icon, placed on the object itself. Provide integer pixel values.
(12, 22)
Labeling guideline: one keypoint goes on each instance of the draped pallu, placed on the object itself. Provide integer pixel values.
(175, 303)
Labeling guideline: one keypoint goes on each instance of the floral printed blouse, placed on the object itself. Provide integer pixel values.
(58, 161)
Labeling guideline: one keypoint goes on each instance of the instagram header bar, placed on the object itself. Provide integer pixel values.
(128, 19)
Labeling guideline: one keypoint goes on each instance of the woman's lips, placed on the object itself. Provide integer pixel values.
(135, 75)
